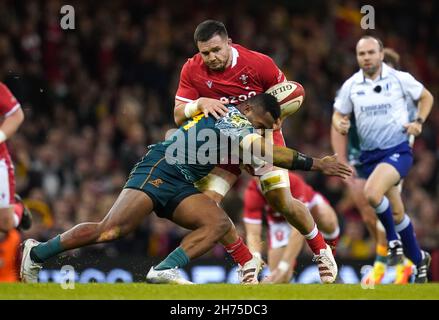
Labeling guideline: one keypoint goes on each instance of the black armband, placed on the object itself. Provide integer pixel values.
(301, 162)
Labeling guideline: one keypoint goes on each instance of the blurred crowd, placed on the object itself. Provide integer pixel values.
(96, 96)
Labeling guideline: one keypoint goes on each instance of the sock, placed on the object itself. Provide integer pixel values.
(381, 253)
(384, 214)
(46, 250)
(176, 259)
(408, 239)
(239, 252)
(332, 239)
(18, 213)
(315, 240)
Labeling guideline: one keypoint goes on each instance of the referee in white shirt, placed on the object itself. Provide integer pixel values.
(378, 96)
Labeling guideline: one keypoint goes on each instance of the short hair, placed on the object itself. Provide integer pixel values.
(380, 43)
(208, 29)
(267, 102)
(391, 57)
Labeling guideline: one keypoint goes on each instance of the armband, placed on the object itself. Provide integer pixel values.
(301, 162)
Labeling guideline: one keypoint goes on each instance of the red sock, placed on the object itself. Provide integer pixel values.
(239, 252)
(333, 244)
(18, 211)
(315, 240)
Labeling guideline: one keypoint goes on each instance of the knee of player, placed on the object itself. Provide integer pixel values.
(372, 196)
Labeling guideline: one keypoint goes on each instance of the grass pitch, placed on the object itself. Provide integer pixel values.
(142, 291)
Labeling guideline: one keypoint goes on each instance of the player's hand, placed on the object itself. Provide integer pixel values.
(212, 106)
(342, 125)
(277, 276)
(330, 166)
(414, 128)
(351, 180)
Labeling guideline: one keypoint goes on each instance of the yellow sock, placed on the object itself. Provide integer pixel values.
(381, 250)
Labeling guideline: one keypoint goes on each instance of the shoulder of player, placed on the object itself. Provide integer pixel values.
(400, 75)
(194, 62)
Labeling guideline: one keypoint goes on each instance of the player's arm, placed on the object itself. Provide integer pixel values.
(425, 105)
(186, 110)
(339, 144)
(11, 124)
(341, 122)
(253, 237)
(283, 271)
(11, 111)
(188, 102)
(291, 159)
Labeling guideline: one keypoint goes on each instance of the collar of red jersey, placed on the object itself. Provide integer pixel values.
(235, 55)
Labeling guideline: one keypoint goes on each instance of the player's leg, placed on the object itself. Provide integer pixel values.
(208, 222)
(404, 227)
(216, 185)
(218, 182)
(356, 192)
(382, 179)
(124, 216)
(376, 274)
(276, 188)
(326, 220)
(375, 228)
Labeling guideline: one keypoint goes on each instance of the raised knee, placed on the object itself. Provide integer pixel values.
(372, 197)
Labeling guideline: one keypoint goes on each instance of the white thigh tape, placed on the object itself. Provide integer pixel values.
(274, 180)
(212, 182)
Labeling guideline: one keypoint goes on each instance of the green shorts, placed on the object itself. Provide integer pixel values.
(164, 184)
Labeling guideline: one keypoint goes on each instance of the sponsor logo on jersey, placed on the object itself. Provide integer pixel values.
(238, 99)
(209, 83)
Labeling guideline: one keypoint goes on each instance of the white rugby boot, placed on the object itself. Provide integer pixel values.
(170, 276)
(249, 272)
(29, 270)
(327, 265)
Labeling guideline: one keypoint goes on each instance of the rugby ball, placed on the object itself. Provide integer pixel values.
(290, 95)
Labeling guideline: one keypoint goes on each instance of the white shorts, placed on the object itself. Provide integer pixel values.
(7, 183)
(279, 234)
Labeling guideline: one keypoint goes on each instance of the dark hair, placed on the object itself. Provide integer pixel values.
(267, 102)
(380, 43)
(208, 29)
(391, 57)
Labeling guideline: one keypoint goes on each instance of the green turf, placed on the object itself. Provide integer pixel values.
(217, 291)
